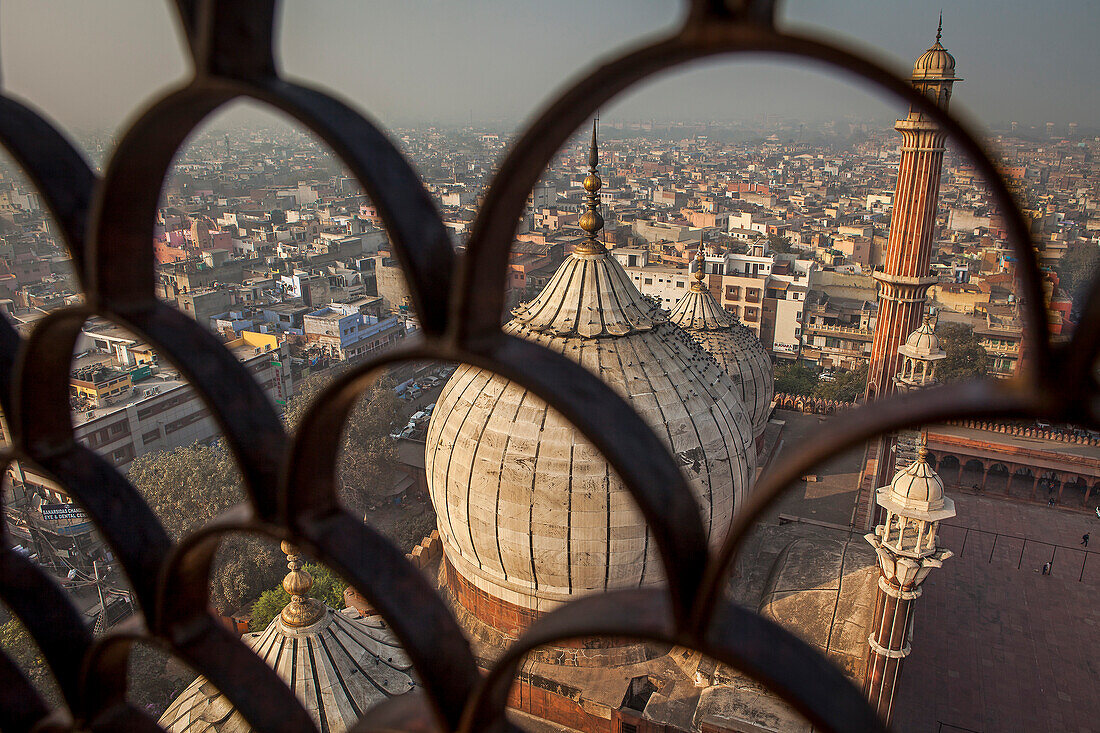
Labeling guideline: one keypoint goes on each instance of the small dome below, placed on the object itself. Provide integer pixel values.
(923, 344)
(917, 492)
(338, 663)
(935, 63)
(340, 667)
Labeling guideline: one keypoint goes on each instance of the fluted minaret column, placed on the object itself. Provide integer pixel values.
(907, 547)
(905, 276)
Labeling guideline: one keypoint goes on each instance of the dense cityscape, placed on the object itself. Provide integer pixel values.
(781, 229)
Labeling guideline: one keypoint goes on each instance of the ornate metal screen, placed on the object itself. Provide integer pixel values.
(107, 223)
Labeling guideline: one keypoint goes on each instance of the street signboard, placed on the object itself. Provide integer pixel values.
(62, 511)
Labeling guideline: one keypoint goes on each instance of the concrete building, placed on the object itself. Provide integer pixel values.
(345, 331)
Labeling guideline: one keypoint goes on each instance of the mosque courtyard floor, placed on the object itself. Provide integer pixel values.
(997, 645)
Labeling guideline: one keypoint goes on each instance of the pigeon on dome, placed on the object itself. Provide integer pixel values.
(730, 342)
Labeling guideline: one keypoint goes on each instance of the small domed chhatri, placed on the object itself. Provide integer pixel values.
(916, 490)
(731, 343)
(920, 354)
(338, 663)
(936, 62)
(529, 512)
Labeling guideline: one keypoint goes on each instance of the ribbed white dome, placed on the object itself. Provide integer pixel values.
(917, 487)
(339, 667)
(734, 346)
(923, 343)
(528, 511)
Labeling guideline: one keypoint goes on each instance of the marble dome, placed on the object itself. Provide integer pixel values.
(528, 511)
(338, 663)
(527, 508)
(732, 344)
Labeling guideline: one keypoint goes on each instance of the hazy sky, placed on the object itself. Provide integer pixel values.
(93, 63)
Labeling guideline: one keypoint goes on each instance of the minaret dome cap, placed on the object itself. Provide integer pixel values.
(936, 62)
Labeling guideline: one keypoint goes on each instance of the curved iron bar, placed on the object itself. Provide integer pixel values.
(737, 637)
(707, 32)
(105, 672)
(595, 410)
(847, 430)
(50, 619)
(21, 707)
(598, 412)
(42, 425)
(10, 344)
(205, 644)
(231, 43)
(56, 169)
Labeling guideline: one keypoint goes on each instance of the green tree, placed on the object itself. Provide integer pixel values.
(966, 359)
(18, 645)
(845, 386)
(186, 488)
(327, 588)
(779, 243)
(152, 684)
(1075, 271)
(367, 452)
(795, 379)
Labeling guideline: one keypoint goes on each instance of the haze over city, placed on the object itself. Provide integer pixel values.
(453, 63)
(755, 372)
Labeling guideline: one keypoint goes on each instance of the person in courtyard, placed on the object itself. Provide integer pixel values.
(1085, 539)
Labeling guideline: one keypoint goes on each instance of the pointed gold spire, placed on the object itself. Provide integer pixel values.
(302, 610)
(939, 30)
(700, 270)
(591, 221)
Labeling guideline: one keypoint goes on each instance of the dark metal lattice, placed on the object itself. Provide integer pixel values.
(107, 224)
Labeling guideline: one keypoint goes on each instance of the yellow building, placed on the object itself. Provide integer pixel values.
(96, 385)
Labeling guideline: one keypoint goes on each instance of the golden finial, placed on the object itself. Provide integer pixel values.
(302, 610)
(591, 221)
(939, 30)
(922, 447)
(700, 270)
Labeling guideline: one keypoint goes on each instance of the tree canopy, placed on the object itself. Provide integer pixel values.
(795, 379)
(966, 359)
(1076, 269)
(327, 588)
(845, 386)
(186, 488)
(779, 243)
(367, 452)
(18, 645)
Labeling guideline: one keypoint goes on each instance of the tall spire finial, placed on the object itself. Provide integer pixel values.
(700, 269)
(593, 152)
(939, 30)
(591, 221)
(302, 610)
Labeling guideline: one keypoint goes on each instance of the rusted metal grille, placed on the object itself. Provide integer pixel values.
(107, 224)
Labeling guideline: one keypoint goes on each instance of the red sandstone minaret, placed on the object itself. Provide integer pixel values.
(905, 277)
